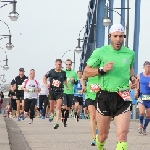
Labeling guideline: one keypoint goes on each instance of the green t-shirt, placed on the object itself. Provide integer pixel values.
(117, 78)
(70, 74)
(92, 87)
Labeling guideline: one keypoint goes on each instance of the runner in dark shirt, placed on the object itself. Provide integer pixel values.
(57, 79)
(16, 85)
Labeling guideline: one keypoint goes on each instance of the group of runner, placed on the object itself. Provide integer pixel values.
(105, 83)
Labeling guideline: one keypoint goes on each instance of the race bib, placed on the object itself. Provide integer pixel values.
(30, 90)
(13, 97)
(94, 87)
(79, 91)
(56, 83)
(145, 97)
(19, 87)
(125, 95)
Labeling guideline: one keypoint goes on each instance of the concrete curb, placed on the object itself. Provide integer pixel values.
(4, 141)
(16, 138)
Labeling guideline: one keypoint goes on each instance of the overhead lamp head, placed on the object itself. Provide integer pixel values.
(13, 16)
(106, 21)
(78, 50)
(5, 67)
(3, 80)
(9, 46)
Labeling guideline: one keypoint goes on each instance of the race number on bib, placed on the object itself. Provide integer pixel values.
(56, 83)
(94, 87)
(19, 87)
(145, 97)
(31, 90)
(79, 91)
(125, 95)
(13, 97)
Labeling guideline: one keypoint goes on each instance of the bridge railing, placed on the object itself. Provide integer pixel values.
(91, 9)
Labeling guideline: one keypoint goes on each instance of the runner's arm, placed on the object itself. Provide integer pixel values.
(39, 87)
(138, 84)
(90, 72)
(45, 77)
(65, 80)
(65, 83)
(83, 81)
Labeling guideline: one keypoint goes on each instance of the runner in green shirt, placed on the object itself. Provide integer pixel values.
(68, 94)
(114, 64)
(92, 88)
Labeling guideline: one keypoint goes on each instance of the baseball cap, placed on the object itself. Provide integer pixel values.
(21, 69)
(115, 28)
(146, 63)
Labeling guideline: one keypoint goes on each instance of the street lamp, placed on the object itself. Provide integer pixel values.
(12, 15)
(78, 49)
(3, 79)
(5, 67)
(107, 21)
(9, 45)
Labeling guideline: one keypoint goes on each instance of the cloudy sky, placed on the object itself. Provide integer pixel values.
(48, 28)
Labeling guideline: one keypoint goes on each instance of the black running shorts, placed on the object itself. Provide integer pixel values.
(90, 102)
(78, 99)
(55, 96)
(13, 104)
(68, 98)
(111, 104)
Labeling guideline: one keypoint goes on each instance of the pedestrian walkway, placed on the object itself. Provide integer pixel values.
(4, 142)
(41, 136)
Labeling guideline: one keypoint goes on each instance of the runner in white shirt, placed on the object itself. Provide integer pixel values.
(43, 98)
(31, 87)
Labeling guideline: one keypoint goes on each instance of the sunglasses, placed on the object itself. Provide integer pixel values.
(68, 64)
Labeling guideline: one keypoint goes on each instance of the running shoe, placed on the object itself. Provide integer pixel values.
(22, 117)
(30, 121)
(56, 125)
(140, 128)
(51, 117)
(42, 117)
(18, 118)
(93, 142)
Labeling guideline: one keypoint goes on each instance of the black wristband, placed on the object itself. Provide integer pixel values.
(101, 71)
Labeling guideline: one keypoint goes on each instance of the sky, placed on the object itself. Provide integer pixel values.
(46, 29)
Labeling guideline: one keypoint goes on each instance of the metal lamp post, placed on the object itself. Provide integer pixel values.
(9, 45)
(12, 15)
(3, 79)
(107, 21)
(5, 67)
(78, 49)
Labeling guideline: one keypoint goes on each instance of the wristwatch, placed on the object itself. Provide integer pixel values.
(101, 71)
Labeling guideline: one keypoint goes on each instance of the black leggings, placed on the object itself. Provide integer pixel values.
(13, 104)
(30, 105)
(43, 99)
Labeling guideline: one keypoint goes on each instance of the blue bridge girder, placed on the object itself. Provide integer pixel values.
(96, 30)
